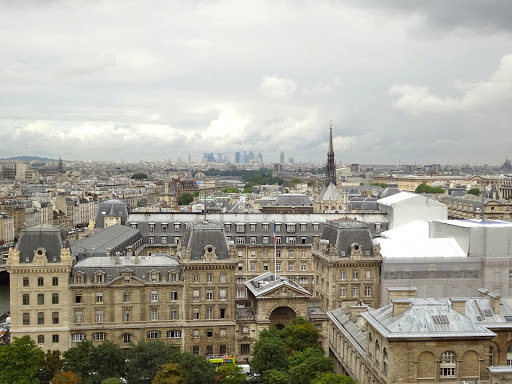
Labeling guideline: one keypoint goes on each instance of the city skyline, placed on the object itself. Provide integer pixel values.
(150, 81)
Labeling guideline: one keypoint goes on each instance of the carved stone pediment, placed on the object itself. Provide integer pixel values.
(209, 253)
(284, 292)
(356, 250)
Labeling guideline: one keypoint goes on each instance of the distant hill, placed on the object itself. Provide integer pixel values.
(28, 159)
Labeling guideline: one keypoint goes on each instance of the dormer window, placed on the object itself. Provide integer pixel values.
(177, 227)
(133, 225)
(291, 228)
(79, 278)
(240, 228)
(154, 276)
(99, 277)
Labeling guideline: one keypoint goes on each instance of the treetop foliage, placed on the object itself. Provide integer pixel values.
(424, 188)
(139, 176)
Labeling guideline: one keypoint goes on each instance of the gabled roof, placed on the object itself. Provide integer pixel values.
(330, 193)
(269, 281)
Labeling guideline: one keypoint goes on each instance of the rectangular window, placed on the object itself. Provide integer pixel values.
(126, 314)
(290, 267)
(127, 338)
(245, 329)
(222, 332)
(278, 239)
(240, 240)
(367, 291)
(240, 253)
(303, 227)
(222, 313)
(25, 282)
(368, 274)
(291, 240)
(253, 253)
(195, 333)
(164, 227)
(278, 267)
(209, 294)
(209, 313)
(174, 295)
(265, 266)
(253, 227)
(55, 298)
(174, 334)
(222, 278)
(355, 274)
(79, 317)
(355, 291)
(196, 278)
(303, 280)
(126, 297)
(253, 266)
(245, 349)
(291, 228)
(209, 333)
(153, 335)
(240, 293)
(164, 239)
(55, 338)
(240, 280)
(55, 317)
(343, 275)
(99, 297)
(174, 314)
(40, 339)
(290, 254)
(240, 266)
(99, 316)
(195, 294)
(303, 253)
(315, 227)
(40, 282)
(151, 227)
(240, 228)
(55, 281)
(303, 267)
(209, 349)
(265, 239)
(26, 319)
(176, 227)
(40, 298)
(223, 349)
(151, 239)
(154, 314)
(343, 292)
(278, 253)
(265, 227)
(176, 240)
(99, 336)
(252, 240)
(154, 296)
(209, 278)
(195, 313)
(195, 349)
(78, 298)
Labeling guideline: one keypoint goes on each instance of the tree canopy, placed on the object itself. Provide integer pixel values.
(333, 378)
(169, 373)
(19, 361)
(186, 198)
(51, 365)
(66, 377)
(231, 374)
(474, 191)
(139, 176)
(269, 352)
(424, 188)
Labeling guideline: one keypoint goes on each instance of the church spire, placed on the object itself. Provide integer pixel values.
(330, 168)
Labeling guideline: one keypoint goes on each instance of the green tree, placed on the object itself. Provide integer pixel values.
(19, 361)
(382, 185)
(299, 335)
(112, 380)
(139, 176)
(108, 360)
(269, 352)
(274, 376)
(66, 377)
(332, 378)
(169, 373)
(185, 199)
(231, 374)
(52, 364)
(144, 359)
(196, 193)
(424, 188)
(474, 191)
(79, 360)
(197, 369)
(306, 365)
(231, 190)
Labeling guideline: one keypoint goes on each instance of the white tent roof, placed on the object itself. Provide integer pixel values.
(397, 197)
(419, 247)
(415, 229)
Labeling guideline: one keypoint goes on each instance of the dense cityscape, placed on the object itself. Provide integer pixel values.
(229, 192)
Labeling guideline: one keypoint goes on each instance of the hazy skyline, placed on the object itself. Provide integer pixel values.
(150, 80)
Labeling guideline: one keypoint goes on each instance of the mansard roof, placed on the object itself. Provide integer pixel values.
(46, 236)
(203, 233)
(344, 233)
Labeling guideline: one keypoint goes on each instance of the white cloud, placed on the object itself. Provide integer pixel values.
(277, 87)
(496, 90)
(342, 144)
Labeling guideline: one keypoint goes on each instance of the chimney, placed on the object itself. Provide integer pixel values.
(400, 305)
(117, 257)
(495, 302)
(401, 293)
(482, 292)
(354, 313)
(459, 305)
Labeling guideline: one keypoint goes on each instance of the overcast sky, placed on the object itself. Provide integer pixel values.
(153, 80)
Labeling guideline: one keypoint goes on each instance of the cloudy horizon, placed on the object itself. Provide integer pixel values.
(134, 80)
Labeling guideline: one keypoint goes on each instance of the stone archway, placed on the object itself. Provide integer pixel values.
(281, 317)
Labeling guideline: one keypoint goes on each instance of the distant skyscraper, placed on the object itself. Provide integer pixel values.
(237, 157)
(60, 167)
(250, 156)
(260, 157)
(189, 157)
(291, 160)
(281, 158)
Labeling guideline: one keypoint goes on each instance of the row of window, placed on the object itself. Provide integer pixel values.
(355, 291)
(290, 228)
(99, 277)
(40, 339)
(355, 275)
(173, 296)
(163, 226)
(266, 240)
(209, 278)
(40, 298)
(40, 281)
(196, 294)
(163, 240)
(40, 318)
(245, 349)
(267, 254)
(208, 312)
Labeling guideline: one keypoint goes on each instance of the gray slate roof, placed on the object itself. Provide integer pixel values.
(269, 281)
(344, 233)
(293, 200)
(391, 189)
(425, 318)
(112, 208)
(202, 233)
(46, 236)
(349, 328)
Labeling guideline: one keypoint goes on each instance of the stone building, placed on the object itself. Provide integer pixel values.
(347, 265)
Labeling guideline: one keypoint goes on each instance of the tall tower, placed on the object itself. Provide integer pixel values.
(330, 168)
(60, 166)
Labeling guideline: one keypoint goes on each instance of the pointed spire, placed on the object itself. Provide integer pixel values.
(330, 168)
(331, 150)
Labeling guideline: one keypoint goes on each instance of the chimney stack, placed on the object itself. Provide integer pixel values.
(400, 305)
(495, 302)
(482, 292)
(459, 305)
(354, 312)
(401, 293)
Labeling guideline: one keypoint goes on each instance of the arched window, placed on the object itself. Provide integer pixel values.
(385, 361)
(509, 355)
(447, 365)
